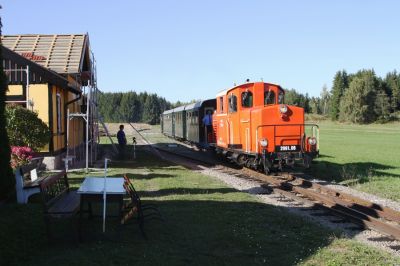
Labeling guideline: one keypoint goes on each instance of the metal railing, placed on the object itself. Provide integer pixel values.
(314, 131)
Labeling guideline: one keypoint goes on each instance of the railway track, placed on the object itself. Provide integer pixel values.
(362, 212)
(365, 214)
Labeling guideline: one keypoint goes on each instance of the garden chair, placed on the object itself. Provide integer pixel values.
(135, 206)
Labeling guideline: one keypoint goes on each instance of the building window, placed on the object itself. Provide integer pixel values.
(247, 99)
(58, 108)
(232, 103)
(269, 97)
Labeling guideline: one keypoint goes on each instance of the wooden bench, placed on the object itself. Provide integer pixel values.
(27, 180)
(59, 202)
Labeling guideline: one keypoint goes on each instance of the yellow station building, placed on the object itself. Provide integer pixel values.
(59, 67)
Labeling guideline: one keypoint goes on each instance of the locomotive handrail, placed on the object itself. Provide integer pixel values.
(275, 125)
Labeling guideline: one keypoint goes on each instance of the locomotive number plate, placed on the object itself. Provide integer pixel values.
(287, 148)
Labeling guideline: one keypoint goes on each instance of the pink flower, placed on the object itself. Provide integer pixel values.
(20, 156)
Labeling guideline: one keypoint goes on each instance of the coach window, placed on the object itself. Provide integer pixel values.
(221, 104)
(232, 103)
(247, 99)
(269, 97)
(281, 97)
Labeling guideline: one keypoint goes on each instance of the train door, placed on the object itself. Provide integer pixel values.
(246, 103)
(233, 121)
(207, 129)
(220, 122)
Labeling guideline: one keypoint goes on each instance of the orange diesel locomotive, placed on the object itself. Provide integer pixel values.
(254, 127)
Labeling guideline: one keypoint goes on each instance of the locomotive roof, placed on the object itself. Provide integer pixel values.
(224, 92)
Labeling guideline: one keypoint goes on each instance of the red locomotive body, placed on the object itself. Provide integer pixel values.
(254, 127)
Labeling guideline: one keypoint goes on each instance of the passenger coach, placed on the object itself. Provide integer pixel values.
(185, 122)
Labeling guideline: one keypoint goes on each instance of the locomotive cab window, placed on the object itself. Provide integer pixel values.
(221, 104)
(269, 97)
(281, 97)
(247, 99)
(232, 103)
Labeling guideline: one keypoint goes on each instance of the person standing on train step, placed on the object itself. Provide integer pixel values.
(207, 122)
(121, 141)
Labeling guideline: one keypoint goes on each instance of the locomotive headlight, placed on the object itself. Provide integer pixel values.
(264, 143)
(283, 109)
(312, 141)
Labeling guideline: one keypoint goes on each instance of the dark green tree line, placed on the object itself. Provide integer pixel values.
(132, 107)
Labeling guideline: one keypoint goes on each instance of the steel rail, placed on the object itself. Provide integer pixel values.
(369, 215)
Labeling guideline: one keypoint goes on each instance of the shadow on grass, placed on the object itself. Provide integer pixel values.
(206, 155)
(185, 191)
(194, 232)
(361, 172)
(76, 181)
(145, 156)
(325, 156)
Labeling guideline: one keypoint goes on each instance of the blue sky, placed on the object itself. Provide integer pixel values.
(185, 50)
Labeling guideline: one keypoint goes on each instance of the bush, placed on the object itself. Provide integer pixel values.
(25, 128)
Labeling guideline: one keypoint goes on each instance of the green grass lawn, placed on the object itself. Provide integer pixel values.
(206, 223)
(363, 156)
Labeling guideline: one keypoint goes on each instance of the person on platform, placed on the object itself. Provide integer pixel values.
(121, 141)
(207, 122)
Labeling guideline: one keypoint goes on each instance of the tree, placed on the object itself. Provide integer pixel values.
(142, 98)
(7, 181)
(392, 81)
(358, 101)
(315, 105)
(340, 83)
(382, 106)
(151, 110)
(130, 107)
(292, 97)
(25, 128)
(325, 100)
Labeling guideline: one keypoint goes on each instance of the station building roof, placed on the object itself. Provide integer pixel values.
(37, 74)
(64, 54)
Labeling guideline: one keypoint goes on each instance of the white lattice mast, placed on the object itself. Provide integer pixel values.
(90, 117)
